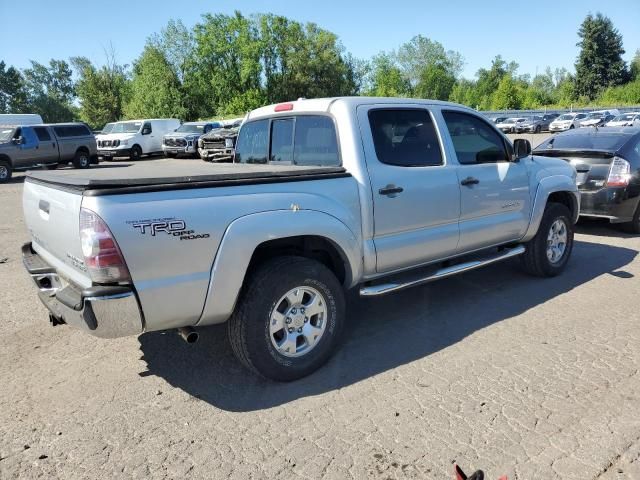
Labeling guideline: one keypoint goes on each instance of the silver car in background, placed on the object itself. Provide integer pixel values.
(631, 119)
(566, 122)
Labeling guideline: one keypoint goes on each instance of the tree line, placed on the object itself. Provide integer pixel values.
(228, 64)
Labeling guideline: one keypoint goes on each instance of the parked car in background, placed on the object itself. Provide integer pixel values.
(530, 125)
(135, 138)
(631, 119)
(320, 200)
(510, 124)
(7, 119)
(219, 144)
(28, 146)
(608, 164)
(598, 119)
(498, 120)
(185, 139)
(566, 121)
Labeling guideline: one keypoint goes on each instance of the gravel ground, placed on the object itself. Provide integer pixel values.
(535, 378)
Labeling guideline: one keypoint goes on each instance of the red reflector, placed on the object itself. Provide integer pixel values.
(284, 107)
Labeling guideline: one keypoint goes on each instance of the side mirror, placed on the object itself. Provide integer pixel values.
(521, 148)
(146, 131)
(18, 141)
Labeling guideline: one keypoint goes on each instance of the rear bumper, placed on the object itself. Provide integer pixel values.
(614, 204)
(103, 311)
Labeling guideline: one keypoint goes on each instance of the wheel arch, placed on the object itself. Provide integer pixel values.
(556, 188)
(251, 239)
(6, 158)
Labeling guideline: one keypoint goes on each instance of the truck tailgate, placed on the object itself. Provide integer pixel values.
(52, 218)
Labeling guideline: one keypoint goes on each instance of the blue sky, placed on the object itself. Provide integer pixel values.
(536, 33)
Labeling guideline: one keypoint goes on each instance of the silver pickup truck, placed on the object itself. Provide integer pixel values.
(29, 146)
(324, 196)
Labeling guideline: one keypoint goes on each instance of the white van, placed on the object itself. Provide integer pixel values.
(12, 119)
(134, 138)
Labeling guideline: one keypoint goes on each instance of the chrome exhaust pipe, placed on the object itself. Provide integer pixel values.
(189, 334)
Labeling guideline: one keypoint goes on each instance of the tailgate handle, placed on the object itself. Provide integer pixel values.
(44, 206)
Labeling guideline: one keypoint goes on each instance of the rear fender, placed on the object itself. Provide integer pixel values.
(245, 234)
(547, 186)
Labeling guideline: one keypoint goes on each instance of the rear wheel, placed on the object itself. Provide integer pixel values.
(547, 253)
(5, 171)
(289, 318)
(81, 160)
(136, 152)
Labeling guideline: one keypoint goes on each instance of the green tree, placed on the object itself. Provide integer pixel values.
(627, 94)
(102, 92)
(508, 96)
(50, 90)
(155, 88)
(226, 62)
(386, 78)
(489, 81)
(436, 82)
(599, 64)
(464, 92)
(421, 53)
(635, 66)
(13, 95)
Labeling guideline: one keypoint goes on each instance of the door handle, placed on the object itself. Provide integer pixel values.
(469, 181)
(390, 190)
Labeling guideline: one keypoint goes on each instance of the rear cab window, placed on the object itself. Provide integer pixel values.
(306, 140)
(67, 131)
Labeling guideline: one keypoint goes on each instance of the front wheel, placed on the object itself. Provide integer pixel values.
(5, 171)
(136, 153)
(289, 318)
(547, 253)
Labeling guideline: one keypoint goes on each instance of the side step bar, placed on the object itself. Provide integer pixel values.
(384, 288)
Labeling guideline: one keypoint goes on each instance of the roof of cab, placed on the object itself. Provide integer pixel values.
(324, 105)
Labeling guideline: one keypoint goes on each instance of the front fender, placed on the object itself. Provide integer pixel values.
(246, 233)
(547, 186)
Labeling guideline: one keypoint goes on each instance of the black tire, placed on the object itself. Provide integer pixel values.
(572, 127)
(171, 155)
(249, 326)
(51, 166)
(538, 129)
(135, 153)
(82, 159)
(535, 259)
(5, 171)
(634, 225)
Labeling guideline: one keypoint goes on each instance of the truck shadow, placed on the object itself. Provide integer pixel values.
(382, 333)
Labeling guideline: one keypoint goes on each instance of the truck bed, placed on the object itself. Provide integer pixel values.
(133, 178)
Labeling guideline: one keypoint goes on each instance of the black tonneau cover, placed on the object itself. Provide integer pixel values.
(117, 179)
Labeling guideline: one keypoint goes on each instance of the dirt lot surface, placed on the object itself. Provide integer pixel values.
(534, 378)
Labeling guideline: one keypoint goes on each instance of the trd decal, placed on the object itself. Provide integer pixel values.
(166, 226)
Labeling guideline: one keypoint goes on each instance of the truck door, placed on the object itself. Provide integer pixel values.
(495, 197)
(416, 195)
(148, 139)
(47, 146)
(26, 153)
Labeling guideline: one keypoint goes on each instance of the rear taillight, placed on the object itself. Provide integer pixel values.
(619, 173)
(102, 256)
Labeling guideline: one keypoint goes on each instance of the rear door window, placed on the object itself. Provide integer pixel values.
(405, 137)
(42, 134)
(315, 141)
